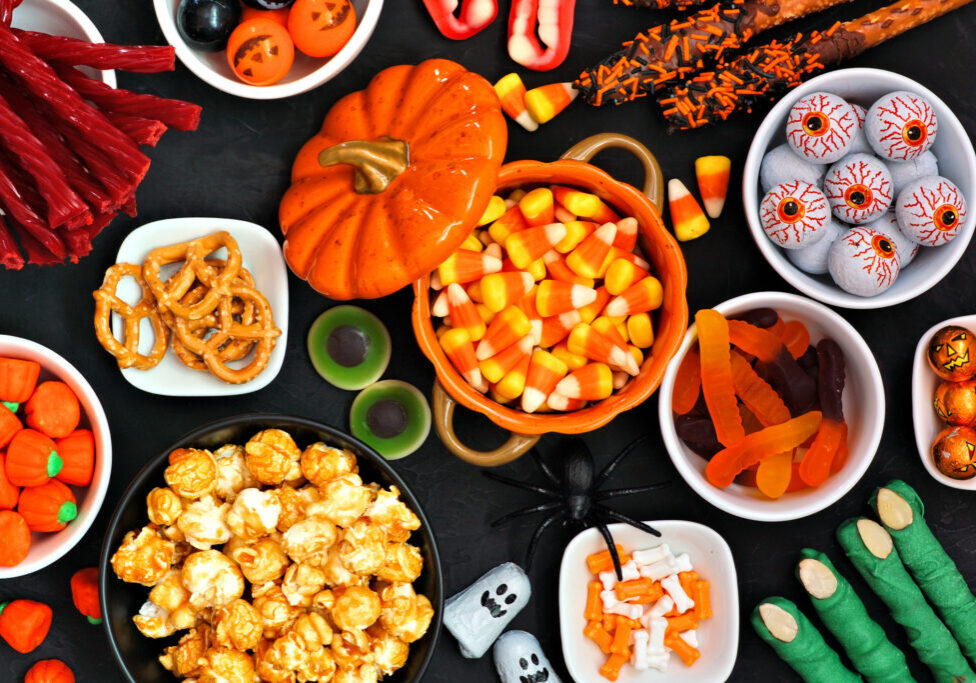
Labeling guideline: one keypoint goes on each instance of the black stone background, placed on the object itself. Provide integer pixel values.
(236, 165)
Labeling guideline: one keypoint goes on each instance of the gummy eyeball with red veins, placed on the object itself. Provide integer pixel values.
(782, 164)
(931, 211)
(821, 128)
(888, 225)
(794, 214)
(904, 172)
(901, 126)
(863, 262)
(860, 144)
(813, 259)
(858, 189)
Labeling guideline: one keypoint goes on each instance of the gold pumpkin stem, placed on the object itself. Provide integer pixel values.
(377, 162)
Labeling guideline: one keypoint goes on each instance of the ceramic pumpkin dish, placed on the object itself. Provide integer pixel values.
(657, 245)
(394, 181)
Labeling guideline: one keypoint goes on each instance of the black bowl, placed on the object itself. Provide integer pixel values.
(136, 654)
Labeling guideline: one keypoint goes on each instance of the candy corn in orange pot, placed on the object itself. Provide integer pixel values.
(552, 341)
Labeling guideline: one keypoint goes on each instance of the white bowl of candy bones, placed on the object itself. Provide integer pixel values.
(683, 546)
(956, 162)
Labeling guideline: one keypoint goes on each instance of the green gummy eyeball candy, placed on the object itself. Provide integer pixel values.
(392, 417)
(349, 347)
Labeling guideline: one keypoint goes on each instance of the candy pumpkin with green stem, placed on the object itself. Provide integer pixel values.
(394, 181)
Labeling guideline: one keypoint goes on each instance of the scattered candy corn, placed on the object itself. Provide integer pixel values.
(564, 403)
(640, 330)
(645, 295)
(497, 366)
(512, 384)
(463, 313)
(587, 341)
(529, 245)
(562, 214)
(496, 208)
(510, 221)
(573, 361)
(507, 328)
(546, 101)
(438, 306)
(557, 269)
(616, 332)
(587, 259)
(622, 274)
(500, 290)
(557, 327)
(472, 243)
(537, 206)
(457, 345)
(592, 382)
(589, 312)
(511, 92)
(713, 182)
(687, 218)
(554, 297)
(627, 229)
(545, 371)
(466, 266)
(576, 232)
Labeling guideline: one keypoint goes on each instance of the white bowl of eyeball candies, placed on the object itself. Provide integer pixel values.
(856, 188)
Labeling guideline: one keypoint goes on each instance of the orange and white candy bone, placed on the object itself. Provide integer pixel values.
(107, 302)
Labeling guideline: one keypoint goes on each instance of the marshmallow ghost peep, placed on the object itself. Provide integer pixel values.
(519, 659)
(477, 615)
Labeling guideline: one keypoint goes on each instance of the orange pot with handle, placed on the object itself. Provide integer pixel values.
(658, 246)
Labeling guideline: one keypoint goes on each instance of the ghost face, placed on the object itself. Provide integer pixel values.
(519, 659)
(477, 615)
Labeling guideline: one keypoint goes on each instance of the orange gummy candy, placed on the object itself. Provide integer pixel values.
(795, 337)
(687, 384)
(756, 394)
(716, 376)
(816, 464)
(755, 341)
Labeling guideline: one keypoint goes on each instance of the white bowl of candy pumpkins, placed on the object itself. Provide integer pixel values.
(856, 188)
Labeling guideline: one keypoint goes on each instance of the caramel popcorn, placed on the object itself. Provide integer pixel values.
(271, 578)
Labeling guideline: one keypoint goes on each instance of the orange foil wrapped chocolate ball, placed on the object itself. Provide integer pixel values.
(952, 353)
(954, 452)
(955, 403)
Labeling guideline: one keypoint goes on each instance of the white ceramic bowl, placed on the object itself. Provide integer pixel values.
(305, 74)
(712, 559)
(927, 424)
(48, 548)
(262, 257)
(864, 412)
(957, 162)
(61, 18)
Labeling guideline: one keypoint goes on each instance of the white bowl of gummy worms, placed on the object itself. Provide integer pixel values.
(956, 162)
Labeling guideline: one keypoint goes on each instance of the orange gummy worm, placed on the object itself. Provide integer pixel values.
(727, 463)
(760, 398)
(774, 474)
(841, 457)
(755, 341)
(687, 384)
(795, 337)
(716, 376)
(815, 466)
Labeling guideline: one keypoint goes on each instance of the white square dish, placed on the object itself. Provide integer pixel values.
(712, 559)
(262, 257)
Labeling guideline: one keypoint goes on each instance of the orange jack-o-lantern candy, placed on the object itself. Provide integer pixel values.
(260, 51)
(954, 452)
(952, 353)
(955, 403)
(320, 28)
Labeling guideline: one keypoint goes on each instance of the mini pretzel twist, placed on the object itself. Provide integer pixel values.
(108, 302)
(194, 255)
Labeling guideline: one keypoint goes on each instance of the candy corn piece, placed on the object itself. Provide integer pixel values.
(687, 218)
(511, 92)
(463, 313)
(494, 249)
(562, 403)
(507, 328)
(645, 295)
(546, 101)
(557, 327)
(588, 341)
(510, 221)
(472, 243)
(474, 290)
(537, 206)
(527, 304)
(562, 215)
(592, 382)
(501, 290)
(576, 232)
(498, 398)
(620, 379)
(589, 312)
(467, 266)
(526, 246)
(545, 371)
(584, 204)
(713, 182)
(627, 229)
(558, 270)
(435, 281)
(439, 307)
(628, 256)
(587, 259)
(512, 384)
(497, 366)
(460, 351)
(496, 209)
(620, 275)
(554, 297)
(614, 331)
(515, 195)
(486, 313)
(640, 329)
(573, 361)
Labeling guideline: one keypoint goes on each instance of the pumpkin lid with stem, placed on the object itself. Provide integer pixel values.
(394, 181)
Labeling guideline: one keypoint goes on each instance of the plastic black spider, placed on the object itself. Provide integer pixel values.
(577, 495)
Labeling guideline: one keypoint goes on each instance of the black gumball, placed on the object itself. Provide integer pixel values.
(268, 4)
(207, 24)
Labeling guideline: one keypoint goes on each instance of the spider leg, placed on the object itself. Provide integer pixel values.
(519, 484)
(546, 470)
(526, 511)
(610, 466)
(613, 514)
(538, 532)
(612, 547)
(613, 493)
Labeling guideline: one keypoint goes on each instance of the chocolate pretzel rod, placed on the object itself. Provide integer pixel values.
(767, 71)
(671, 52)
